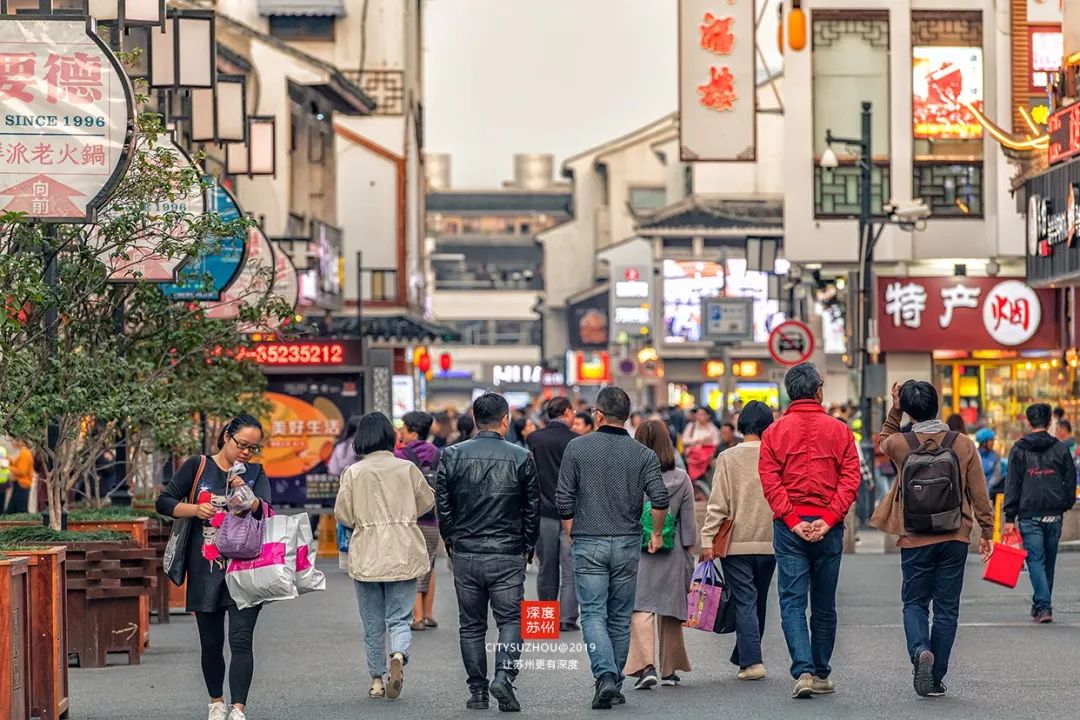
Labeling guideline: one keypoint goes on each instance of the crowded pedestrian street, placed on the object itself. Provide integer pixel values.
(311, 659)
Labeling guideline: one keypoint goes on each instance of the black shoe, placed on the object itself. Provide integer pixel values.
(502, 690)
(478, 700)
(569, 627)
(939, 689)
(620, 699)
(924, 673)
(606, 692)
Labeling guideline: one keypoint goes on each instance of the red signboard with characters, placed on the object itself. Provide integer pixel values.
(1064, 129)
(539, 619)
(923, 314)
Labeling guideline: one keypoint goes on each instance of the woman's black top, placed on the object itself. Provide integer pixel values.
(206, 590)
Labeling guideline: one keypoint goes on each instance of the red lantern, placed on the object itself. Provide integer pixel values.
(445, 362)
(423, 363)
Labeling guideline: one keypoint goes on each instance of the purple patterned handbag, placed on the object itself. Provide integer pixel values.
(240, 537)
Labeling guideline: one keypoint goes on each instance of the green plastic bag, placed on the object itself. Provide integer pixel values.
(668, 533)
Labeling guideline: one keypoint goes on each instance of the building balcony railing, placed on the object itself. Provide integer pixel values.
(483, 281)
(836, 190)
(950, 189)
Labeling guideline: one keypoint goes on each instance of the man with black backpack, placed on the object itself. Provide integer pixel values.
(1039, 489)
(414, 433)
(939, 495)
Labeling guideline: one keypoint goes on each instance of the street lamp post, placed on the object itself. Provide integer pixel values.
(867, 239)
(912, 216)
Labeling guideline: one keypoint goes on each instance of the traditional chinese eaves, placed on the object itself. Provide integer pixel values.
(700, 215)
(394, 328)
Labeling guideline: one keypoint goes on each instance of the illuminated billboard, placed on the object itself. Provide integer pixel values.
(687, 281)
(943, 80)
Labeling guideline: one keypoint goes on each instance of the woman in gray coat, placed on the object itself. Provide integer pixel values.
(663, 577)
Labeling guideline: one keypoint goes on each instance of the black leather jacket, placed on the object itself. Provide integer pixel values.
(488, 497)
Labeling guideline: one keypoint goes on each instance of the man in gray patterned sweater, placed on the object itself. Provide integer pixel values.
(603, 481)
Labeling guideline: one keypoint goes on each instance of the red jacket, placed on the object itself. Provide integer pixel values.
(809, 465)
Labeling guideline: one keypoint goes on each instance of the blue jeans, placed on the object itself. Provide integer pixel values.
(1041, 542)
(385, 606)
(808, 569)
(933, 572)
(605, 572)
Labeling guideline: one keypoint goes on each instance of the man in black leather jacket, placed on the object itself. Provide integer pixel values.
(488, 499)
(1039, 489)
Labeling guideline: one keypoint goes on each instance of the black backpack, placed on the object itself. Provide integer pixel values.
(931, 487)
(429, 472)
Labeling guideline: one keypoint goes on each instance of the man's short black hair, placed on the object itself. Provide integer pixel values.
(614, 403)
(1066, 425)
(754, 418)
(586, 418)
(557, 407)
(1059, 412)
(418, 422)
(489, 409)
(1038, 416)
(802, 382)
(731, 427)
(919, 400)
(374, 432)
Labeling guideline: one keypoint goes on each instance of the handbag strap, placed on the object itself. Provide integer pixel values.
(198, 477)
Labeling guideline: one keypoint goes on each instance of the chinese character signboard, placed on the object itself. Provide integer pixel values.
(144, 260)
(631, 299)
(717, 87)
(539, 619)
(67, 111)
(1052, 200)
(943, 79)
(206, 276)
(923, 314)
(1064, 129)
(252, 283)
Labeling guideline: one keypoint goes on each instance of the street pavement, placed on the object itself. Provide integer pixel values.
(310, 663)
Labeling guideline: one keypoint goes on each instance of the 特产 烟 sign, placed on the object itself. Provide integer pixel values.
(66, 122)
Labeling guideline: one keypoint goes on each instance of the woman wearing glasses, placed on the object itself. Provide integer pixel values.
(207, 481)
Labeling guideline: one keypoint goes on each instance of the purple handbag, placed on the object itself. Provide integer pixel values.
(240, 537)
(703, 600)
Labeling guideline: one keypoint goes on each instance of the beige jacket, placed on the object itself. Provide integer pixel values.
(737, 494)
(975, 505)
(380, 498)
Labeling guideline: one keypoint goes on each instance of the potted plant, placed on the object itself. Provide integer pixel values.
(106, 575)
(14, 638)
(48, 664)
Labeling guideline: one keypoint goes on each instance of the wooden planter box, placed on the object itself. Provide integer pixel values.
(137, 528)
(48, 631)
(14, 639)
(105, 583)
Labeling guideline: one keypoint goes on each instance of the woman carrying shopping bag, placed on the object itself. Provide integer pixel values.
(738, 531)
(197, 492)
(664, 576)
(380, 498)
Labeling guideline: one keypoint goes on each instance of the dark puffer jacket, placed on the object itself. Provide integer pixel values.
(488, 497)
(1041, 480)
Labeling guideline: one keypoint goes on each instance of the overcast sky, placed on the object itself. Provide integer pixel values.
(555, 76)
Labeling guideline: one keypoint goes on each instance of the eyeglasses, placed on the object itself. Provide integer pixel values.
(247, 447)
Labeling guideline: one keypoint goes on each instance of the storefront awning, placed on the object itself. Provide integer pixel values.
(331, 8)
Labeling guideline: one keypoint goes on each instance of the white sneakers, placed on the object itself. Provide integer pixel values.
(221, 711)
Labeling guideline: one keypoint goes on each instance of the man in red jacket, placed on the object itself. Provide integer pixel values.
(809, 469)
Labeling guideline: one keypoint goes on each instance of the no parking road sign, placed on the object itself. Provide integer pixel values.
(791, 343)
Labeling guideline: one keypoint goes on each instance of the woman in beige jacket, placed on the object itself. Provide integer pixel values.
(380, 497)
(748, 563)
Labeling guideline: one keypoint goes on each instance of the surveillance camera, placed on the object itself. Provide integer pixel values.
(907, 213)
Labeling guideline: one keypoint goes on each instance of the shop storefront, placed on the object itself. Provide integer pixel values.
(993, 343)
(1053, 254)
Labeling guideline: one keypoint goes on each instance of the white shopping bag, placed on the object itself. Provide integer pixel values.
(308, 578)
(272, 575)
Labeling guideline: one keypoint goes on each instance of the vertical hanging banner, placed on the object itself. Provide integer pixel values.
(66, 121)
(205, 276)
(717, 87)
